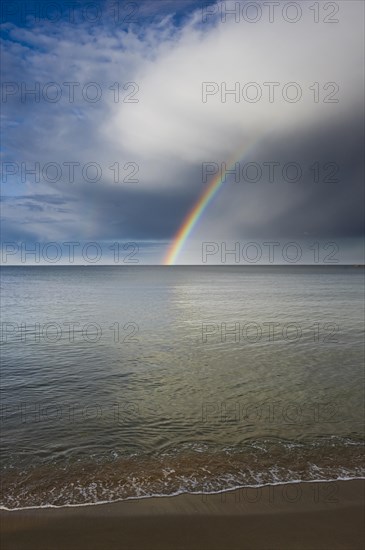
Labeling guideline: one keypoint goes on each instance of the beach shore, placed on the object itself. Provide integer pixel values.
(305, 516)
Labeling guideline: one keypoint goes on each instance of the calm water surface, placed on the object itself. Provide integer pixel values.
(122, 382)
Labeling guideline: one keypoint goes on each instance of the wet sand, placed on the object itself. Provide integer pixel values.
(306, 516)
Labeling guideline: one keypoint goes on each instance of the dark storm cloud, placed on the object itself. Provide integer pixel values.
(330, 207)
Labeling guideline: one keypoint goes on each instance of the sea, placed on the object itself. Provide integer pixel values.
(137, 381)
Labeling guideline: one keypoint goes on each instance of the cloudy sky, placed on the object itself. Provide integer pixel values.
(117, 116)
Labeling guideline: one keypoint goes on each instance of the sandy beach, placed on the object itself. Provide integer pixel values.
(305, 516)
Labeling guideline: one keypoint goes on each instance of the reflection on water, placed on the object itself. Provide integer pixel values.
(178, 376)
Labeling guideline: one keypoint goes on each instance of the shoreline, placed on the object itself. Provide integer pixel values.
(292, 516)
(238, 488)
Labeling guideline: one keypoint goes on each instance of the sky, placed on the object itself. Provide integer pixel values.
(182, 132)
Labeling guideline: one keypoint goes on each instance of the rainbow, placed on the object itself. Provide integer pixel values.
(198, 209)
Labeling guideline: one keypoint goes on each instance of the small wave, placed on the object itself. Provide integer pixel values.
(194, 469)
(182, 492)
